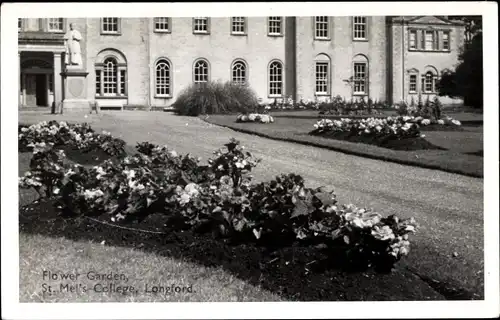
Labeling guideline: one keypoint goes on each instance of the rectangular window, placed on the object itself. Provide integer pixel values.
(430, 41)
(446, 40)
(321, 77)
(200, 25)
(123, 82)
(413, 83)
(238, 25)
(413, 39)
(110, 25)
(56, 24)
(274, 26)
(321, 29)
(98, 82)
(360, 78)
(359, 28)
(162, 24)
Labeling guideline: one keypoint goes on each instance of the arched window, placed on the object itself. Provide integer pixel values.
(428, 80)
(322, 74)
(110, 74)
(360, 75)
(275, 79)
(201, 72)
(163, 78)
(239, 72)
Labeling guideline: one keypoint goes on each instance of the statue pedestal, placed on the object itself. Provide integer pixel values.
(75, 90)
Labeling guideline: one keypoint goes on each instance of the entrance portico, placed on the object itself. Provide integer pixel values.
(40, 67)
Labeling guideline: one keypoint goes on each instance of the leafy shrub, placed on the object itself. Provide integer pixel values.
(215, 98)
(221, 198)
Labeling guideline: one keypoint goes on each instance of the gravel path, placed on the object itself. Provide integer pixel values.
(448, 207)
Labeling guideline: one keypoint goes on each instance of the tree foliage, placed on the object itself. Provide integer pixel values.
(466, 81)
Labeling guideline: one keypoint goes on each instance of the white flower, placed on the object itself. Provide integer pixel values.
(130, 174)
(426, 122)
(184, 199)
(173, 153)
(239, 165)
(440, 121)
(456, 122)
(192, 189)
(410, 228)
(384, 233)
(56, 191)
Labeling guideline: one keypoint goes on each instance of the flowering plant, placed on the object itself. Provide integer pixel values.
(255, 117)
(220, 197)
(78, 136)
(390, 127)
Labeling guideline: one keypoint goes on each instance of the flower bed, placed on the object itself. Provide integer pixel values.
(218, 197)
(334, 106)
(255, 117)
(400, 133)
(71, 138)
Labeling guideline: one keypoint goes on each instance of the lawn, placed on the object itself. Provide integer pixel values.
(434, 198)
(295, 129)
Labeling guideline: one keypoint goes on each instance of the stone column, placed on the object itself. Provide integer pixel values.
(19, 101)
(57, 83)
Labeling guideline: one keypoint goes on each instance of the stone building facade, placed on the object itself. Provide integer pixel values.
(147, 62)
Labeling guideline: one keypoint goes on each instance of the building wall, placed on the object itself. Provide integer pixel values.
(220, 49)
(132, 42)
(341, 49)
(386, 51)
(405, 60)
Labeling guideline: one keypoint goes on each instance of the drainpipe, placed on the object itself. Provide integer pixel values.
(403, 60)
(149, 60)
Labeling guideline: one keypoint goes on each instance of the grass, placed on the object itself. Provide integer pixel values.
(294, 129)
(142, 270)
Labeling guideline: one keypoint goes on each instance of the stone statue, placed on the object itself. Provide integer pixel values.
(72, 40)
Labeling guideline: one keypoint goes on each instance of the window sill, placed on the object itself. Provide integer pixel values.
(163, 96)
(360, 40)
(162, 31)
(56, 31)
(111, 97)
(203, 33)
(274, 35)
(239, 34)
(322, 39)
(359, 94)
(109, 33)
(423, 50)
(322, 94)
(275, 96)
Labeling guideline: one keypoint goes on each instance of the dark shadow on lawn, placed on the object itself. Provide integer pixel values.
(303, 273)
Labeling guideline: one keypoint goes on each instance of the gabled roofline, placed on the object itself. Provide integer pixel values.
(413, 20)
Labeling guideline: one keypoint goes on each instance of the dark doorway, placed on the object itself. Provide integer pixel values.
(41, 90)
